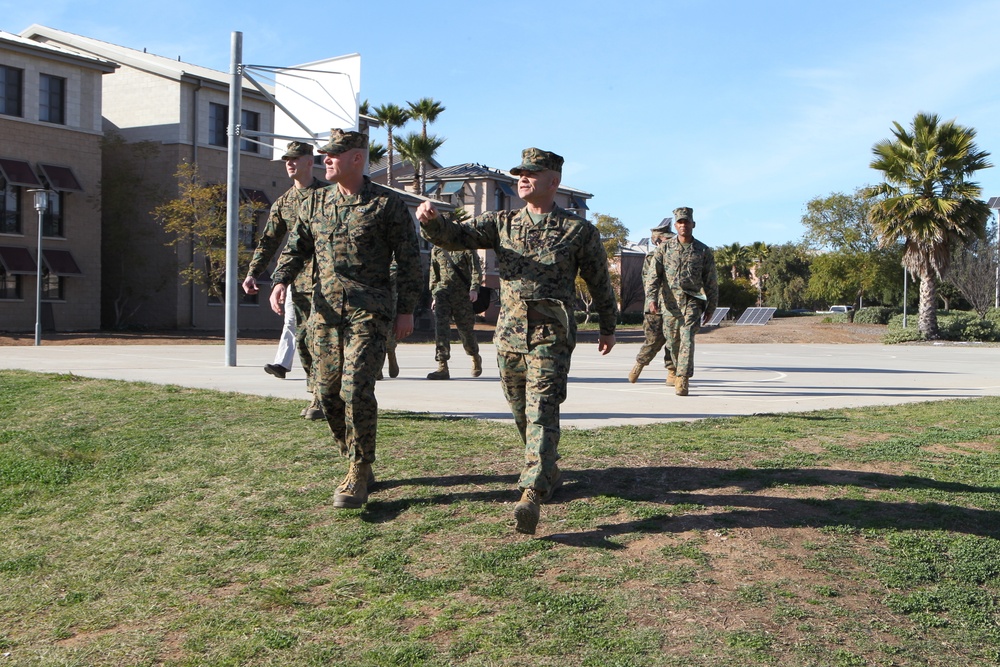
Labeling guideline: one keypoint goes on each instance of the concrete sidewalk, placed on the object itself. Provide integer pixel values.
(730, 379)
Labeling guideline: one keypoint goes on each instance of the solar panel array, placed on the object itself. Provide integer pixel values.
(759, 316)
(717, 317)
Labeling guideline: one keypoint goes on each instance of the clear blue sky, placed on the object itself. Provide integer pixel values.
(744, 110)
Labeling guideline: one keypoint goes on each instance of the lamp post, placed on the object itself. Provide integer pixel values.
(41, 205)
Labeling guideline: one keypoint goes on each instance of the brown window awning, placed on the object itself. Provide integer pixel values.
(256, 197)
(17, 261)
(61, 262)
(60, 178)
(19, 172)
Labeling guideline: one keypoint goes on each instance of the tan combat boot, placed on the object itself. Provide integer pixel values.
(441, 373)
(353, 491)
(526, 512)
(671, 377)
(477, 365)
(393, 364)
(633, 374)
(315, 410)
(681, 388)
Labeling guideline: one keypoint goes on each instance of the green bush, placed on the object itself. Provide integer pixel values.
(837, 318)
(874, 315)
(952, 325)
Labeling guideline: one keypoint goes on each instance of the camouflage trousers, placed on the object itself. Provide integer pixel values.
(534, 384)
(453, 305)
(680, 325)
(302, 304)
(652, 328)
(347, 357)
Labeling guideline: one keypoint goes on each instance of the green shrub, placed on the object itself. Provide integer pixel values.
(900, 335)
(952, 325)
(874, 315)
(630, 318)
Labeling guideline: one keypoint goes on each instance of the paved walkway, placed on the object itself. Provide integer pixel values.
(730, 379)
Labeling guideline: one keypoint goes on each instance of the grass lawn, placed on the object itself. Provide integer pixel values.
(149, 525)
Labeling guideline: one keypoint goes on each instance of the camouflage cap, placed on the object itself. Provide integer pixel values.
(297, 149)
(535, 159)
(684, 213)
(664, 225)
(341, 141)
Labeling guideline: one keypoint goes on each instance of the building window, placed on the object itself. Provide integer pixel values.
(52, 286)
(249, 120)
(52, 99)
(10, 220)
(52, 220)
(11, 88)
(10, 286)
(218, 123)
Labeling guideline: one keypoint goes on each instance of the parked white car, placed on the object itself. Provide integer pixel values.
(841, 309)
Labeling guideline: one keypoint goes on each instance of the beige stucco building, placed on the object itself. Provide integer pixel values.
(50, 135)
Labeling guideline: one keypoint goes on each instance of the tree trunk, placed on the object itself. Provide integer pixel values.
(927, 319)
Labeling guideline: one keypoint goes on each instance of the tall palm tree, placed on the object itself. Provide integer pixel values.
(426, 110)
(756, 254)
(417, 150)
(391, 116)
(927, 201)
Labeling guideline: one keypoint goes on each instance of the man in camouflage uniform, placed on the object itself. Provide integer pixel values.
(652, 323)
(299, 164)
(353, 229)
(685, 279)
(455, 276)
(540, 250)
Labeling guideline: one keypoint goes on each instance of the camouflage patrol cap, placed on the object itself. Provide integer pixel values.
(535, 159)
(683, 213)
(297, 149)
(664, 225)
(341, 141)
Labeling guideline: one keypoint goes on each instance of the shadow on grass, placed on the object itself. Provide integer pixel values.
(742, 504)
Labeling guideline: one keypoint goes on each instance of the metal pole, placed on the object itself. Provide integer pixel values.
(41, 205)
(906, 275)
(233, 198)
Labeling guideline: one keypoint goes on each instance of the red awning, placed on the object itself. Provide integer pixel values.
(17, 261)
(60, 178)
(61, 262)
(18, 172)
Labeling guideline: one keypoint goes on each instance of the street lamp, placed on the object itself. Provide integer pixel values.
(41, 205)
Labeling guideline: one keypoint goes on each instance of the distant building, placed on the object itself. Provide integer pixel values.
(50, 121)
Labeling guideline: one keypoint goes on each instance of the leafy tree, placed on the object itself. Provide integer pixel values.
(927, 202)
(839, 230)
(787, 268)
(418, 150)
(973, 271)
(198, 215)
(614, 233)
(391, 116)
(125, 183)
(757, 253)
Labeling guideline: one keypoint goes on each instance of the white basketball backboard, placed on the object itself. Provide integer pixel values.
(320, 95)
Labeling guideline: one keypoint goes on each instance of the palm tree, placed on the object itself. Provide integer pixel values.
(391, 116)
(927, 201)
(734, 256)
(756, 254)
(426, 110)
(417, 150)
(376, 152)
